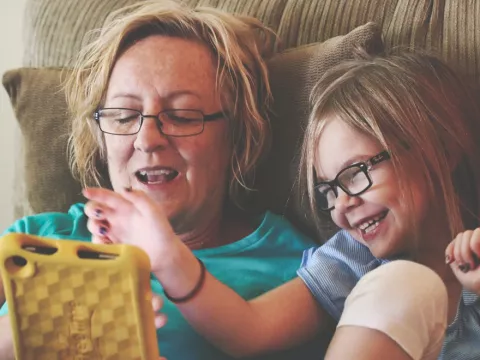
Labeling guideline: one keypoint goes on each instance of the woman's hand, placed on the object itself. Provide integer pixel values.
(130, 217)
(160, 318)
(463, 255)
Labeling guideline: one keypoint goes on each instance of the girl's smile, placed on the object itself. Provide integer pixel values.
(379, 217)
(371, 226)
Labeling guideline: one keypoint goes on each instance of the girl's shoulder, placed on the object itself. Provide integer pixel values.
(343, 248)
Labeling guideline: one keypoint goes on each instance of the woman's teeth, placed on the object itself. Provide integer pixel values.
(156, 176)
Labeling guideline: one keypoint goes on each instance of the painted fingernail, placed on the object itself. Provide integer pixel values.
(98, 212)
(102, 230)
(448, 259)
(464, 268)
(128, 189)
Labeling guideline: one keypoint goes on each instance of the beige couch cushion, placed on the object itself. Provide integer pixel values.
(40, 108)
(54, 29)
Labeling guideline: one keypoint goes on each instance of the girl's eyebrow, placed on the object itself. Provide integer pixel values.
(354, 159)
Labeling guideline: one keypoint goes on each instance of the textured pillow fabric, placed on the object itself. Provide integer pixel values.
(40, 108)
(55, 29)
(43, 181)
(293, 74)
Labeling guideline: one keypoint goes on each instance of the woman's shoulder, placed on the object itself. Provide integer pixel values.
(279, 227)
(71, 224)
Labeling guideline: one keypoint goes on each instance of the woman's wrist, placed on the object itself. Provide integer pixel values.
(179, 272)
(195, 291)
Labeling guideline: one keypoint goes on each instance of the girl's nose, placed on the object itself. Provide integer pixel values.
(344, 201)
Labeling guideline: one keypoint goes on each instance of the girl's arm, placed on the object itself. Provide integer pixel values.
(279, 319)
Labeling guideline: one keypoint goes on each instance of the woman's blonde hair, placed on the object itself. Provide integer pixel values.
(415, 107)
(239, 44)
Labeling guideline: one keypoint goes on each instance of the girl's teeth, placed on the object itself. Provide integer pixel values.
(372, 224)
(368, 224)
(371, 227)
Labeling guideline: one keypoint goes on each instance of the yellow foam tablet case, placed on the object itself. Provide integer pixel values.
(77, 300)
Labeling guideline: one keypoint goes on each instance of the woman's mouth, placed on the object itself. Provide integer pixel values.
(156, 176)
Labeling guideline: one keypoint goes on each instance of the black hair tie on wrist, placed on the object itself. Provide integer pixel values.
(194, 291)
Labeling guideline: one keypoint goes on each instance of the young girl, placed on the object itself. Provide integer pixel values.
(390, 153)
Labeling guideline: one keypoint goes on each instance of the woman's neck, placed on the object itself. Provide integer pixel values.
(225, 228)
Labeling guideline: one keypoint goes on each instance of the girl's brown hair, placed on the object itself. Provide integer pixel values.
(418, 110)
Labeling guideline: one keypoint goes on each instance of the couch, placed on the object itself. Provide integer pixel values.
(315, 34)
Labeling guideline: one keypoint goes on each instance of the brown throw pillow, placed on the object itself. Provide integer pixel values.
(43, 181)
(40, 108)
(292, 77)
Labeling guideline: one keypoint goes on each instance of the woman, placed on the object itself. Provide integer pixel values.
(173, 101)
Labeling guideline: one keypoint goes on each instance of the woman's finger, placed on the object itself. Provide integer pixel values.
(98, 227)
(106, 197)
(96, 210)
(157, 303)
(101, 240)
(160, 320)
(137, 197)
(101, 232)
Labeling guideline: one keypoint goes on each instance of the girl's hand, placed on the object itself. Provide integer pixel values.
(130, 217)
(463, 255)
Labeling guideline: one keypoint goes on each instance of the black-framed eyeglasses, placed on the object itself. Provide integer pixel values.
(176, 122)
(353, 180)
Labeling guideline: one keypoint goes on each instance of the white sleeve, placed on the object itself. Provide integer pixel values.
(406, 301)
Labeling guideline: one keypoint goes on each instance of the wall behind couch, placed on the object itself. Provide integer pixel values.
(11, 50)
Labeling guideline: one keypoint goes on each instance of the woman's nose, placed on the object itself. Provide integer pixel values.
(150, 136)
(344, 202)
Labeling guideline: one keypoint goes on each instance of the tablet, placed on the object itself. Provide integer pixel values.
(77, 300)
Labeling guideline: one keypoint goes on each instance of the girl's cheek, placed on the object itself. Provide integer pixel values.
(339, 220)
